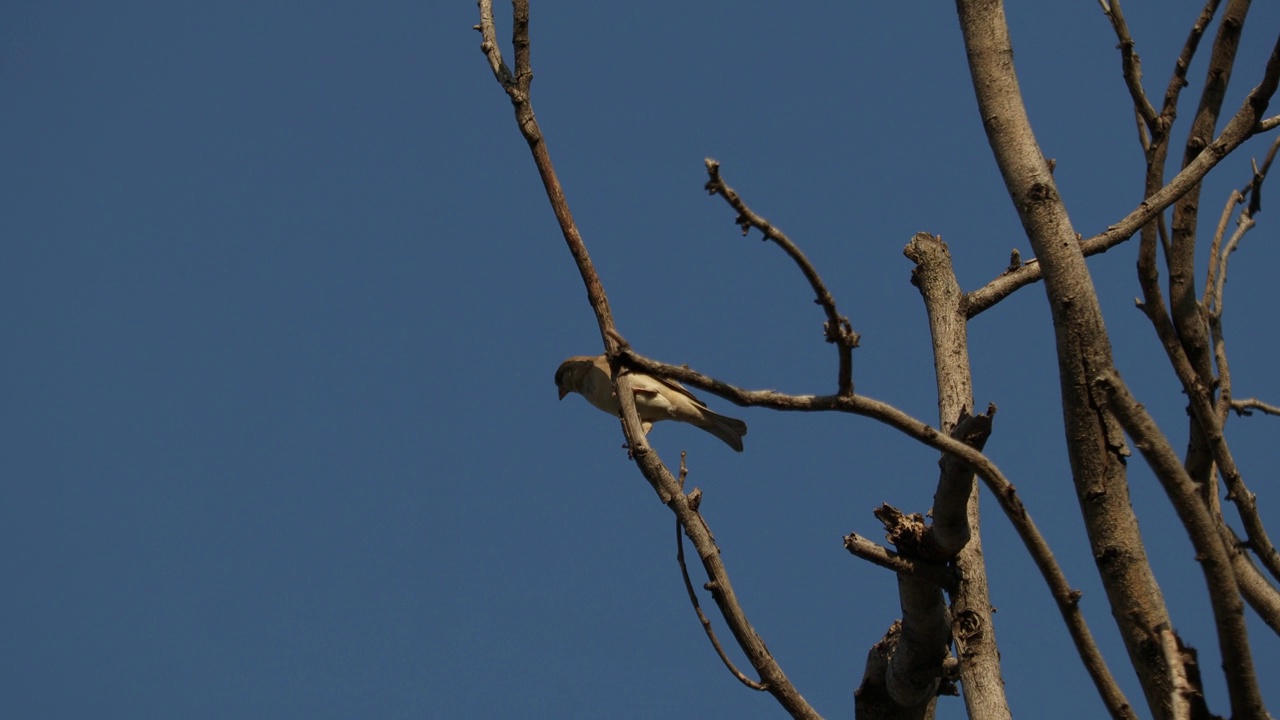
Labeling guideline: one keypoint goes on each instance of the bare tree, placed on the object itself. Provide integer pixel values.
(946, 635)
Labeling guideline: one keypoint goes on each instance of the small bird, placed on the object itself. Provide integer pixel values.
(656, 398)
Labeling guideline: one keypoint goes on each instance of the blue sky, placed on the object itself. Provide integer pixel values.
(283, 300)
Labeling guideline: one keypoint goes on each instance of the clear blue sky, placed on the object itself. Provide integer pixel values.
(282, 301)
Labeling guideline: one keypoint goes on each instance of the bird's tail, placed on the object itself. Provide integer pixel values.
(728, 429)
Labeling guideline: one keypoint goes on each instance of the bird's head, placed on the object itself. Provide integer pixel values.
(569, 376)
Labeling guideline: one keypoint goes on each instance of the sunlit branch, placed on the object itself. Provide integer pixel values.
(651, 466)
(837, 329)
(1220, 579)
(1066, 598)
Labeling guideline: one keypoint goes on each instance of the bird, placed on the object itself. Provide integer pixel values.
(656, 398)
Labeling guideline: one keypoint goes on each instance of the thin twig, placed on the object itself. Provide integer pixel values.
(1246, 406)
(1213, 315)
(837, 329)
(1208, 417)
(702, 617)
(1217, 258)
(1156, 148)
(1215, 286)
(1130, 62)
(1211, 308)
(1178, 79)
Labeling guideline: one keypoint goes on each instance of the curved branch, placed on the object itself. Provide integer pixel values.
(1220, 579)
(837, 329)
(651, 466)
(1066, 598)
(702, 617)
(1254, 588)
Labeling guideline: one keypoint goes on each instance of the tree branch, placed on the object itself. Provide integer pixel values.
(1095, 443)
(1066, 598)
(1130, 62)
(956, 517)
(837, 329)
(667, 487)
(1245, 407)
(697, 608)
(1178, 78)
(1220, 579)
(1204, 414)
(940, 575)
(1192, 330)
(1244, 125)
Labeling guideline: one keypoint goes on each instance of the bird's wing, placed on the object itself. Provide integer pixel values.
(656, 383)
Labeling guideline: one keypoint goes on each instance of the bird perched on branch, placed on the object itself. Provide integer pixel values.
(656, 398)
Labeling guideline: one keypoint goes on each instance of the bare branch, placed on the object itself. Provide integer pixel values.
(489, 46)
(956, 517)
(837, 329)
(951, 528)
(1220, 579)
(516, 86)
(940, 575)
(1178, 79)
(1218, 259)
(1261, 595)
(916, 662)
(1095, 442)
(1094, 397)
(1212, 308)
(1192, 331)
(1205, 415)
(873, 698)
(1241, 127)
(1214, 292)
(1130, 62)
(915, 668)
(1063, 594)
(697, 607)
(1188, 691)
(1247, 405)
(772, 678)
(651, 466)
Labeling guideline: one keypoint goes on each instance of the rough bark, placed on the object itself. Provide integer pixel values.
(956, 521)
(1095, 443)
